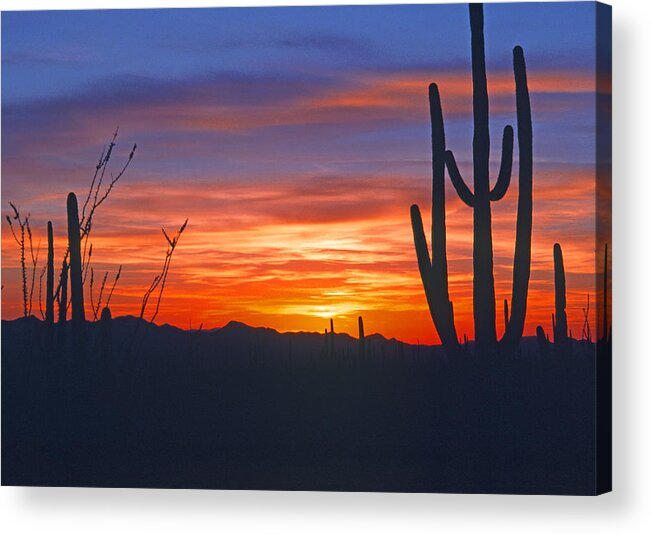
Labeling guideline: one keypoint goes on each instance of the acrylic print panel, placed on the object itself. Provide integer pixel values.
(384, 258)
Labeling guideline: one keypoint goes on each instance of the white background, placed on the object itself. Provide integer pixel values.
(626, 510)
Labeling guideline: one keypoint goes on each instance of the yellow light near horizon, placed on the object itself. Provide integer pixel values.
(326, 312)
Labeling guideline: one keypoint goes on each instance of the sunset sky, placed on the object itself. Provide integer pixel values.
(295, 141)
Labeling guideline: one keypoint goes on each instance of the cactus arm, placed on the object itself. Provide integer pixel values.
(439, 261)
(504, 176)
(457, 181)
(442, 313)
(422, 250)
(522, 255)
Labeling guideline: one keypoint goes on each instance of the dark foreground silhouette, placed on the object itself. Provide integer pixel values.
(246, 408)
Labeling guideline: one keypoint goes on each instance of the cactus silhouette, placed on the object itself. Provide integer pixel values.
(49, 285)
(331, 348)
(559, 319)
(362, 341)
(434, 274)
(543, 341)
(76, 282)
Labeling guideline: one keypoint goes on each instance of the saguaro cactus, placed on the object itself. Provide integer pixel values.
(434, 274)
(361, 341)
(560, 317)
(49, 285)
(76, 282)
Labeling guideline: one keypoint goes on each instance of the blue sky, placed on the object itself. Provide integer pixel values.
(56, 53)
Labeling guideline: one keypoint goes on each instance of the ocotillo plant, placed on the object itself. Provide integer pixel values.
(362, 349)
(434, 273)
(49, 291)
(560, 317)
(76, 282)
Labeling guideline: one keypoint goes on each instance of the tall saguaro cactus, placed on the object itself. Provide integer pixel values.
(434, 274)
(49, 285)
(76, 282)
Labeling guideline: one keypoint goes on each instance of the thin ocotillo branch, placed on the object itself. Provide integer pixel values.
(94, 199)
(40, 292)
(96, 308)
(157, 284)
(117, 278)
(160, 279)
(24, 239)
(34, 260)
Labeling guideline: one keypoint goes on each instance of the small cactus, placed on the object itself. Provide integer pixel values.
(362, 341)
(49, 287)
(543, 341)
(559, 319)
